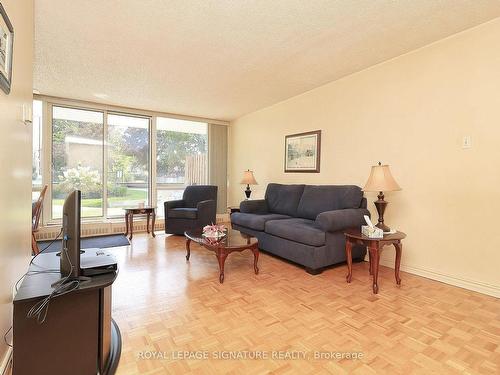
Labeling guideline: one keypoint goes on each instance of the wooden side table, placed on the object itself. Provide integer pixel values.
(233, 209)
(129, 219)
(375, 246)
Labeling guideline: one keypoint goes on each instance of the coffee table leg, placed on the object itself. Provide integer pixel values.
(348, 254)
(147, 222)
(399, 249)
(375, 261)
(221, 257)
(255, 251)
(188, 248)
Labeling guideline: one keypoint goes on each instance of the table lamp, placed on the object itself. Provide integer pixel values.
(248, 179)
(381, 180)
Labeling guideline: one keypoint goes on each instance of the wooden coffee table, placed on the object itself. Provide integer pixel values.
(234, 241)
(375, 246)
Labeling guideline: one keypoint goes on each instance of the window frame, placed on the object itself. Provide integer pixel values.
(46, 158)
(106, 129)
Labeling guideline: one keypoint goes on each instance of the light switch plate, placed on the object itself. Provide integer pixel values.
(466, 142)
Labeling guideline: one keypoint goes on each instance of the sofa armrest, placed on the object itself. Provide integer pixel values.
(333, 221)
(207, 211)
(169, 205)
(257, 206)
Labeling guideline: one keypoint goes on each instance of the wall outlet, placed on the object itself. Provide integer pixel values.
(466, 142)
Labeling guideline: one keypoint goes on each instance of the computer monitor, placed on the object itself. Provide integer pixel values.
(70, 253)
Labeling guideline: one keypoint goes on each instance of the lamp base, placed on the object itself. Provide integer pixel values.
(248, 192)
(381, 204)
(384, 227)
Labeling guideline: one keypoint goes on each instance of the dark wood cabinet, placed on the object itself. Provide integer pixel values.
(78, 335)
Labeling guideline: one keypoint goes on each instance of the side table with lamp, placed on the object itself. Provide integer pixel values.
(248, 179)
(380, 180)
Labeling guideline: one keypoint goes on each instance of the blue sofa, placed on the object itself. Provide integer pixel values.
(304, 223)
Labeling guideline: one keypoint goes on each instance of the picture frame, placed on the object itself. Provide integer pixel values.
(303, 152)
(6, 50)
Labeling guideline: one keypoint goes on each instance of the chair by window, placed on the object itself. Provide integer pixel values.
(196, 209)
(36, 212)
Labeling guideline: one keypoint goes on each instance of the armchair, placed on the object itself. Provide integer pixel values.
(196, 209)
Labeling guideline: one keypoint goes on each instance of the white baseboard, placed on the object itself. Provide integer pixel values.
(476, 286)
(6, 362)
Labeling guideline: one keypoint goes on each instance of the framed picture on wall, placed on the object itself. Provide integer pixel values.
(6, 46)
(303, 152)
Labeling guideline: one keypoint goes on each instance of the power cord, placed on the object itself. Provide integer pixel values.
(5, 337)
(46, 247)
(32, 259)
(40, 309)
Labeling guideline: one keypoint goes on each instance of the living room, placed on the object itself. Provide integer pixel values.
(281, 123)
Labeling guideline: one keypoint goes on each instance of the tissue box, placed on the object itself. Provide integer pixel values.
(372, 232)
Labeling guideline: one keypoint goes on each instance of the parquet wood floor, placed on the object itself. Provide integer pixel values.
(164, 305)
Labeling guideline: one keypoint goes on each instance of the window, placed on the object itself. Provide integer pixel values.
(77, 159)
(181, 158)
(128, 162)
(116, 159)
(36, 171)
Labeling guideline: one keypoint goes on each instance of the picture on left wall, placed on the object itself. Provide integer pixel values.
(6, 49)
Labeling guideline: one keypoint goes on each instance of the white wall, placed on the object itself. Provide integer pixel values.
(15, 162)
(410, 112)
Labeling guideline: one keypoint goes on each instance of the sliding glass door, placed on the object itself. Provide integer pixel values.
(181, 157)
(127, 162)
(77, 158)
(116, 159)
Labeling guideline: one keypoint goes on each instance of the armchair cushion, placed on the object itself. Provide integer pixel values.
(174, 204)
(332, 221)
(253, 221)
(183, 213)
(258, 206)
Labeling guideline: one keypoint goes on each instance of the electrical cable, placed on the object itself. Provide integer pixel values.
(40, 309)
(32, 259)
(5, 337)
(46, 247)
(16, 285)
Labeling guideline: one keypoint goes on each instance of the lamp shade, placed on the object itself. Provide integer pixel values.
(381, 180)
(248, 178)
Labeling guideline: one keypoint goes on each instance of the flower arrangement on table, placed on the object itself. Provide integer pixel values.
(215, 231)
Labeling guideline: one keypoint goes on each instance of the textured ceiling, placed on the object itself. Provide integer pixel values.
(224, 58)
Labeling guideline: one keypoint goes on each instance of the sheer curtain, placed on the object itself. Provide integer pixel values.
(217, 163)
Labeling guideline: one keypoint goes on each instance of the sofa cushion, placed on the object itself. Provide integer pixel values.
(320, 198)
(254, 221)
(183, 213)
(283, 199)
(299, 230)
